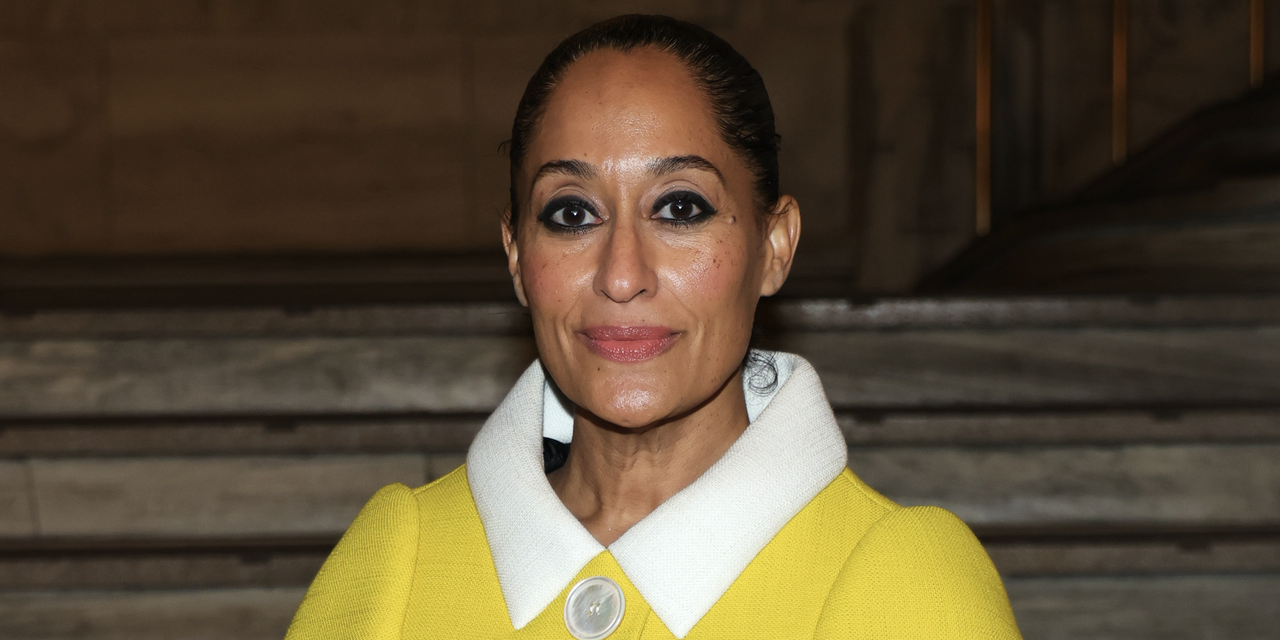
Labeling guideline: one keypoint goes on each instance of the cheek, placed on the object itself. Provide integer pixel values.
(714, 273)
(553, 277)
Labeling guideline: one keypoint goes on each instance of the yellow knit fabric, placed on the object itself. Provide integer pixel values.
(852, 564)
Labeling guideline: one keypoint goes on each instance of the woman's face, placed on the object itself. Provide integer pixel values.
(640, 252)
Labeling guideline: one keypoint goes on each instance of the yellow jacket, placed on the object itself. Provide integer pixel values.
(846, 563)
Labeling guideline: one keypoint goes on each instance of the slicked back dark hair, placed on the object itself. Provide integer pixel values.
(732, 86)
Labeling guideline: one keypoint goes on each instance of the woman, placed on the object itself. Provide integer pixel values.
(704, 493)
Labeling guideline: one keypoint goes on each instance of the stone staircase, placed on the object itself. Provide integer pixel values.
(1196, 212)
(182, 472)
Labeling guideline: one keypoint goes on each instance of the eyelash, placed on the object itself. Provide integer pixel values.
(566, 202)
(705, 208)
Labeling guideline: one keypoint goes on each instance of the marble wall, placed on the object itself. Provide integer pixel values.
(177, 127)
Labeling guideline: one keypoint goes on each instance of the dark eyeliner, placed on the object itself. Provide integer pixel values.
(564, 202)
(689, 196)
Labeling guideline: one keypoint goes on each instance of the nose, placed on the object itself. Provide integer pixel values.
(625, 271)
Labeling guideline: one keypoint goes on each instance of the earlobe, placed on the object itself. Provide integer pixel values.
(782, 237)
(512, 248)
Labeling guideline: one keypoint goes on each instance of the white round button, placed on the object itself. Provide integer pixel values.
(594, 608)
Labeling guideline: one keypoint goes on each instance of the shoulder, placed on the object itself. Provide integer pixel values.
(384, 533)
(903, 534)
(449, 526)
(391, 522)
(449, 492)
(368, 577)
(852, 485)
(918, 572)
(830, 526)
(844, 511)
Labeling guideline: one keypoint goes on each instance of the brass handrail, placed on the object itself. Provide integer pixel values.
(1120, 81)
(1257, 42)
(982, 151)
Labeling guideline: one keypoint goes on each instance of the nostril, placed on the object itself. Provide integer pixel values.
(625, 269)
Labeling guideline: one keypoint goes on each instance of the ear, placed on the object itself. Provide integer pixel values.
(512, 248)
(782, 235)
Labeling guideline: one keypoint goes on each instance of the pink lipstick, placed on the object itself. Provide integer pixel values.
(629, 344)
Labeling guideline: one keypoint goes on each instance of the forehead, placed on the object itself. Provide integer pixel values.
(612, 106)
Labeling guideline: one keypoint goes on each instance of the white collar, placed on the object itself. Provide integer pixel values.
(684, 555)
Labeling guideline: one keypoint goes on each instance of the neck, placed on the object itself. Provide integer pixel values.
(614, 477)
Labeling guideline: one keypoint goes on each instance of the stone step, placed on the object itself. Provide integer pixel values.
(1093, 368)
(1090, 367)
(452, 433)
(1219, 238)
(116, 563)
(938, 354)
(230, 614)
(191, 497)
(296, 281)
(182, 473)
(805, 315)
(309, 495)
(1136, 608)
(1141, 608)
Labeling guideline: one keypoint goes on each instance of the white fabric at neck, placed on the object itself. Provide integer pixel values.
(557, 410)
(684, 555)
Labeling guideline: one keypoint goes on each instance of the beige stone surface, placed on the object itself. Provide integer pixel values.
(174, 570)
(1075, 95)
(16, 517)
(1134, 556)
(271, 86)
(783, 316)
(1183, 57)
(453, 434)
(1101, 367)
(288, 144)
(1141, 608)
(168, 18)
(52, 148)
(478, 318)
(441, 464)
(806, 68)
(1060, 427)
(225, 496)
(1031, 368)
(915, 206)
(291, 435)
(1231, 256)
(178, 127)
(350, 127)
(1120, 484)
(1161, 608)
(303, 375)
(230, 495)
(500, 65)
(240, 614)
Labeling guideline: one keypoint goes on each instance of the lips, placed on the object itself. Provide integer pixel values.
(629, 344)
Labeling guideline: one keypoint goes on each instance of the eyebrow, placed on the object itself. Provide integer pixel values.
(664, 166)
(655, 168)
(575, 168)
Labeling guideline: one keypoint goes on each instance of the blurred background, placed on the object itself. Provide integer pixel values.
(250, 272)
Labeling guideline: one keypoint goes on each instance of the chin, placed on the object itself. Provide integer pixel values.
(629, 406)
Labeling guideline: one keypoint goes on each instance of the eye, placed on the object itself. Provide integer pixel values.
(568, 214)
(682, 207)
